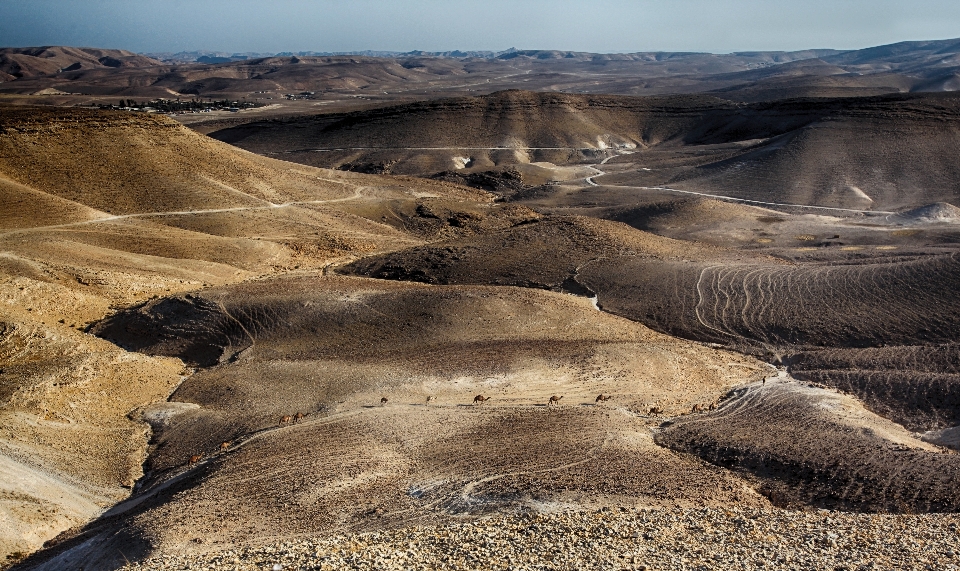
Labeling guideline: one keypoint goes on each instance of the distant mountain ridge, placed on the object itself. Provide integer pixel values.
(928, 66)
(202, 56)
(16, 63)
(901, 50)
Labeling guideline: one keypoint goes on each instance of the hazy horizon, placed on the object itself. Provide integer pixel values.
(602, 26)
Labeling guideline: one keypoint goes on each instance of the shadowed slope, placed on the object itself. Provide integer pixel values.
(813, 446)
(745, 76)
(907, 301)
(702, 292)
(547, 254)
(916, 386)
(870, 153)
(49, 60)
(98, 209)
(885, 154)
(332, 347)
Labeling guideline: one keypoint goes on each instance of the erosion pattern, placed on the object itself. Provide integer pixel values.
(761, 303)
(390, 76)
(872, 153)
(333, 347)
(880, 328)
(845, 305)
(204, 348)
(787, 434)
(101, 209)
(916, 386)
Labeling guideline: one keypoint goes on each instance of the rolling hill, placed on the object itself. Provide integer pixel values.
(871, 153)
(732, 298)
(102, 209)
(741, 76)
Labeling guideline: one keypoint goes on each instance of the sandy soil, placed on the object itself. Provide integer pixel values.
(166, 301)
(105, 209)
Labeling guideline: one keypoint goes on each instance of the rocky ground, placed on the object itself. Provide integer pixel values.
(652, 539)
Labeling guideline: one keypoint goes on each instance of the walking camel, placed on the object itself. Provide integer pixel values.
(383, 401)
(299, 417)
(603, 398)
(554, 400)
(285, 419)
(224, 446)
(195, 458)
(480, 399)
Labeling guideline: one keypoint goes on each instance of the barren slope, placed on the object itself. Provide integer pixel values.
(332, 347)
(180, 401)
(916, 386)
(109, 208)
(744, 76)
(808, 445)
(869, 153)
(16, 63)
(812, 310)
(702, 292)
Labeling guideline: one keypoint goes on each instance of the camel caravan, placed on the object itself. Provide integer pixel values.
(553, 401)
(294, 419)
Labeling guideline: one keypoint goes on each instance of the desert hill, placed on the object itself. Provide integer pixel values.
(151, 78)
(103, 209)
(509, 119)
(17, 63)
(389, 310)
(786, 434)
(332, 347)
(871, 153)
(703, 293)
(59, 75)
(880, 328)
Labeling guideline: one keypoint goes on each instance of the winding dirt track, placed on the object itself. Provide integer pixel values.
(811, 446)
(357, 194)
(590, 181)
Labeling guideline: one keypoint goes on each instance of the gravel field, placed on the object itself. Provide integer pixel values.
(651, 539)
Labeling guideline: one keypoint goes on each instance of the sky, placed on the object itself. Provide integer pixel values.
(606, 26)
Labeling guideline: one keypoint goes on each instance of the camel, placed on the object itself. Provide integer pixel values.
(383, 401)
(430, 399)
(554, 400)
(195, 458)
(655, 410)
(224, 446)
(697, 408)
(480, 399)
(299, 417)
(285, 419)
(603, 398)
